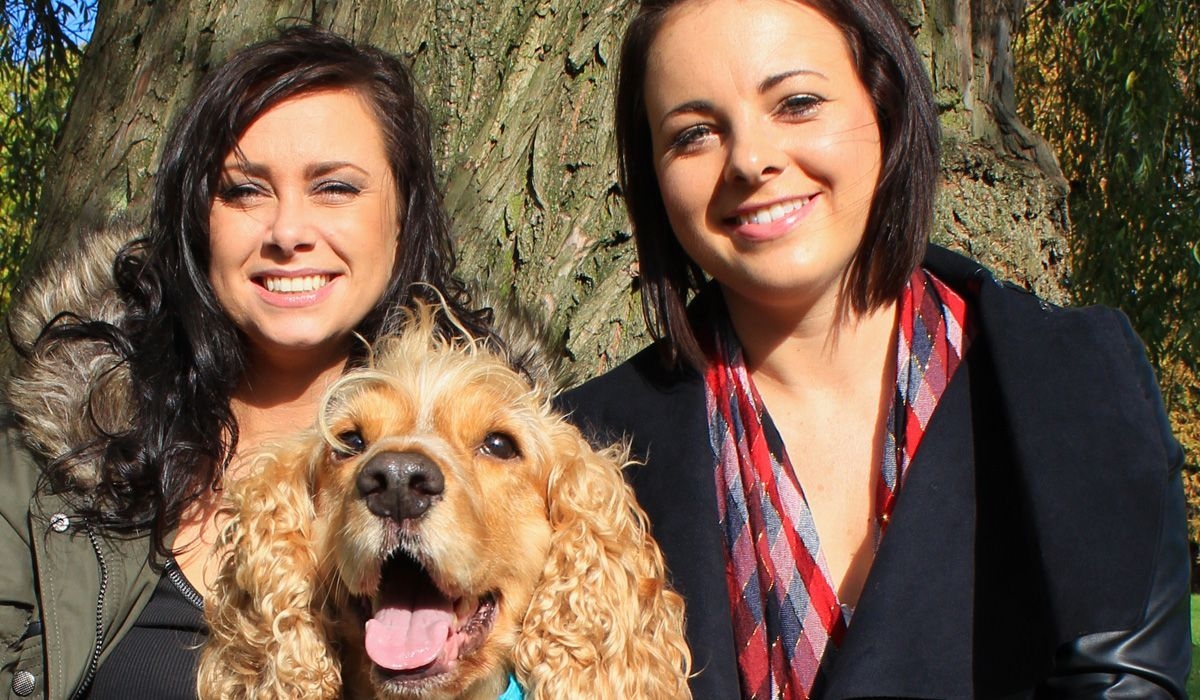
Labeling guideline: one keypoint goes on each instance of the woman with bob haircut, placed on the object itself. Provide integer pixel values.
(874, 469)
(295, 207)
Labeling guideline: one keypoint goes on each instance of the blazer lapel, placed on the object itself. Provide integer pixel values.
(677, 489)
(911, 632)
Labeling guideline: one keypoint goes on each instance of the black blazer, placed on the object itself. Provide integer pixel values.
(1038, 545)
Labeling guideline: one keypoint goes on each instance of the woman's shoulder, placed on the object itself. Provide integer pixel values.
(645, 372)
(640, 393)
(1010, 316)
(20, 472)
(1060, 370)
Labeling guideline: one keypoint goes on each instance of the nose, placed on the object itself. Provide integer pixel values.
(400, 485)
(292, 228)
(753, 154)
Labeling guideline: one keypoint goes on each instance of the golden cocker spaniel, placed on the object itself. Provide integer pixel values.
(441, 533)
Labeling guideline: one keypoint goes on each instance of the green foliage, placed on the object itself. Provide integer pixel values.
(1114, 84)
(1193, 681)
(39, 58)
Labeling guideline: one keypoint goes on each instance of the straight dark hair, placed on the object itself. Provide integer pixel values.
(185, 357)
(901, 213)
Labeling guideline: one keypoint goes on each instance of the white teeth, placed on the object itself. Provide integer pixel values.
(293, 285)
(774, 212)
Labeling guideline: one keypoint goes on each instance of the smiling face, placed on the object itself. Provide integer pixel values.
(765, 145)
(304, 229)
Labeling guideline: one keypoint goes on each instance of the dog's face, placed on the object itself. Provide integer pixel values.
(441, 528)
(430, 492)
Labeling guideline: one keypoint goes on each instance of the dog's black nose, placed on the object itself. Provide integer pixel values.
(400, 485)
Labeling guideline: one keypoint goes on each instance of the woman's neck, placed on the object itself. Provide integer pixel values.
(278, 397)
(818, 346)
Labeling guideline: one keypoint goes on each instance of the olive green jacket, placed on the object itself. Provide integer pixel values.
(67, 593)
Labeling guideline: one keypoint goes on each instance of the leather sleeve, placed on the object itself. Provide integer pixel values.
(1152, 659)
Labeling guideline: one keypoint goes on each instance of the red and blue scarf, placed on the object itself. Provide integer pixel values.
(787, 618)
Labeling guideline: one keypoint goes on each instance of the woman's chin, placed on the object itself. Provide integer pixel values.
(298, 347)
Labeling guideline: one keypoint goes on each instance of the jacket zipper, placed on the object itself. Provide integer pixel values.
(185, 587)
(95, 659)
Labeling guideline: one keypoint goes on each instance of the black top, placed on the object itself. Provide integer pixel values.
(1039, 543)
(158, 658)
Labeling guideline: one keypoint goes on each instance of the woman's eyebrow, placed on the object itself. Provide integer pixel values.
(251, 169)
(329, 166)
(687, 108)
(245, 167)
(773, 80)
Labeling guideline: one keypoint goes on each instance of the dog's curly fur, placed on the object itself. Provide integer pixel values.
(548, 531)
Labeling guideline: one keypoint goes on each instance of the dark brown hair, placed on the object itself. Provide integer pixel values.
(185, 356)
(901, 214)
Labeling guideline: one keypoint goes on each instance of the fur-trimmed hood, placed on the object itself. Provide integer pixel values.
(59, 394)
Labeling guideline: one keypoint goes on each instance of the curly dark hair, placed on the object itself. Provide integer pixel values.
(185, 357)
(901, 214)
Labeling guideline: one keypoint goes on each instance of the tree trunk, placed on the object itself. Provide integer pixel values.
(522, 96)
(1004, 198)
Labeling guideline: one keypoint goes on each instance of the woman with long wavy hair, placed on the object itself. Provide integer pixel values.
(295, 205)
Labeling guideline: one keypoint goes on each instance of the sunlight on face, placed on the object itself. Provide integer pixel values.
(765, 145)
(305, 225)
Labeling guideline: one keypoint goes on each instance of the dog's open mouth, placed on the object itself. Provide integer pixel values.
(414, 631)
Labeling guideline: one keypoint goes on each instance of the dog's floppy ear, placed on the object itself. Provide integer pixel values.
(602, 622)
(267, 634)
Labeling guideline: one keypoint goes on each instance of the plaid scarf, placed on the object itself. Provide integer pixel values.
(787, 619)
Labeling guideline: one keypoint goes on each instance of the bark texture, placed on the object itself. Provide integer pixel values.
(522, 93)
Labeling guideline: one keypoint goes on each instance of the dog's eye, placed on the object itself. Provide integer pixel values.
(499, 445)
(349, 444)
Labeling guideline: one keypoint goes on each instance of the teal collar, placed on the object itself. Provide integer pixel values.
(513, 691)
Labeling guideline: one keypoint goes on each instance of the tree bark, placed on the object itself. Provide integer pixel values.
(522, 96)
(1004, 200)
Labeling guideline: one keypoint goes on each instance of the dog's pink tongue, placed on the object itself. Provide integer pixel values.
(400, 639)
